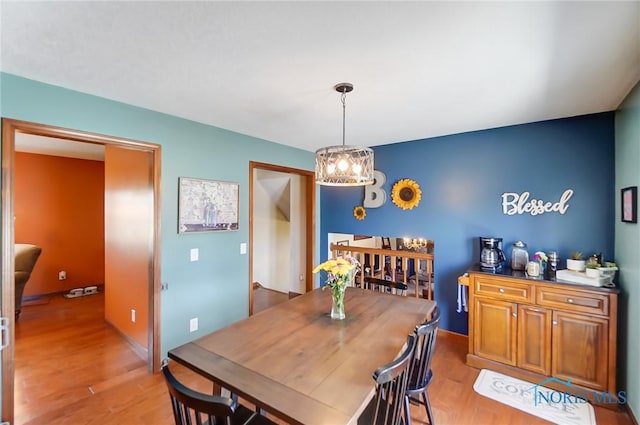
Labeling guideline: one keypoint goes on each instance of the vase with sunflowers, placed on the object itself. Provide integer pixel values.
(340, 272)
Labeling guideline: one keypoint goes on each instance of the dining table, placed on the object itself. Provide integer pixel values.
(295, 362)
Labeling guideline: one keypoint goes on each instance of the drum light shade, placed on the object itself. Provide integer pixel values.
(344, 165)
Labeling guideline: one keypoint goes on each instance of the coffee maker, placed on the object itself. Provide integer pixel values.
(491, 255)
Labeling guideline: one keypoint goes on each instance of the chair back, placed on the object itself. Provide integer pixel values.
(391, 385)
(192, 407)
(425, 346)
(382, 285)
(26, 256)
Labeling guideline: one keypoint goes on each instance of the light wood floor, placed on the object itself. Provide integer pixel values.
(73, 369)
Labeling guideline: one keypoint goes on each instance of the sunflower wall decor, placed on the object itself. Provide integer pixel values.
(359, 212)
(406, 194)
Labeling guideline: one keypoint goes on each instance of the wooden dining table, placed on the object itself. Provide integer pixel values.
(298, 364)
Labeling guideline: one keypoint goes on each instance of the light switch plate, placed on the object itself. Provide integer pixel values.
(195, 254)
(243, 248)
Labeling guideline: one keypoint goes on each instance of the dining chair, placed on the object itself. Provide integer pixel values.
(383, 285)
(391, 384)
(420, 375)
(192, 407)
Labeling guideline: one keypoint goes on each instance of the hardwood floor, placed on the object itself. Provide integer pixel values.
(264, 298)
(74, 369)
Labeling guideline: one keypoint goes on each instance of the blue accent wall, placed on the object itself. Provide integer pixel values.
(463, 177)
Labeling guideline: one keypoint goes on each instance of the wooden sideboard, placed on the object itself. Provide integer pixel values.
(534, 329)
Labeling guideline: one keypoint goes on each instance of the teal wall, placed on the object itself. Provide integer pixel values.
(214, 289)
(627, 246)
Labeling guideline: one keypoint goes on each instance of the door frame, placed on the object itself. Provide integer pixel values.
(310, 215)
(9, 129)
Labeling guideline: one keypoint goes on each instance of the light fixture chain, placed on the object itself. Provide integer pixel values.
(344, 107)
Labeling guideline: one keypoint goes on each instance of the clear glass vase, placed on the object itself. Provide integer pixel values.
(337, 304)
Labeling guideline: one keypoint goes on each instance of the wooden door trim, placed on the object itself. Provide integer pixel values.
(9, 129)
(310, 219)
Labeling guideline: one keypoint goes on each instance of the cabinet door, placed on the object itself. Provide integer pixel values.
(494, 330)
(579, 349)
(534, 339)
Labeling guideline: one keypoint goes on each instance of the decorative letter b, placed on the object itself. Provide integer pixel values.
(374, 195)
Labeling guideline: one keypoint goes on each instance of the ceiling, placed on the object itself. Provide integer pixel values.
(267, 69)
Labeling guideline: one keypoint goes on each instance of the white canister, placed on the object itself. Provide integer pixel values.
(533, 268)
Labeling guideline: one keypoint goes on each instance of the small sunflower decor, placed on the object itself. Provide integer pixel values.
(359, 212)
(406, 194)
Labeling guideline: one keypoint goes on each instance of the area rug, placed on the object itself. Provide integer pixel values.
(535, 399)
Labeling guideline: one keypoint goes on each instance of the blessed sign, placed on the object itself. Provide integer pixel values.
(514, 203)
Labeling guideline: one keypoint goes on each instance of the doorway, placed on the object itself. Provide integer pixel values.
(290, 193)
(151, 153)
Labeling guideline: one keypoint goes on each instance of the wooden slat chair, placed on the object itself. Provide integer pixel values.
(420, 376)
(391, 385)
(383, 285)
(194, 408)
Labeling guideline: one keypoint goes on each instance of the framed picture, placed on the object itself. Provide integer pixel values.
(386, 243)
(629, 204)
(207, 205)
(344, 243)
(360, 237)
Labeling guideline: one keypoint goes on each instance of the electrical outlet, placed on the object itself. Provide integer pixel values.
(133, 315)
(193, 324)
(62, 275)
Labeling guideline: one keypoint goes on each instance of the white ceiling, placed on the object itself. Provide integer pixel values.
(267, 69)
(58, 147)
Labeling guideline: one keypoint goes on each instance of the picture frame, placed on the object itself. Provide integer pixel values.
(343, 243)
(207, 205)
(629, 204)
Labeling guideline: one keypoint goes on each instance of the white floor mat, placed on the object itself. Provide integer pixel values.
(534, 399)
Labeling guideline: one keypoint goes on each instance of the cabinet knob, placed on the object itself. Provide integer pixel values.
(570, 300)
(514, 314)
(502, 290)
(555, 323)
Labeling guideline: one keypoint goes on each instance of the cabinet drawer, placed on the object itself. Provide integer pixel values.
(586, 302)
(503, 290)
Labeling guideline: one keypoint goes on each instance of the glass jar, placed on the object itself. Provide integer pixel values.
(519, 256)
(533, 268)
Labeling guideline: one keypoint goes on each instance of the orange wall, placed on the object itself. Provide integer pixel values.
(59, 205)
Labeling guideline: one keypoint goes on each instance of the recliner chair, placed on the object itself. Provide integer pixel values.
(26, 256)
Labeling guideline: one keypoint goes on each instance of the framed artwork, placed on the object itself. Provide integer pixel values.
(629, 204)
(344, 243)
(386, 243)
(360, 237)
(207, 205)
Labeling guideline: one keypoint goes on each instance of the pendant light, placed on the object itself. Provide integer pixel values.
(344, 165)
